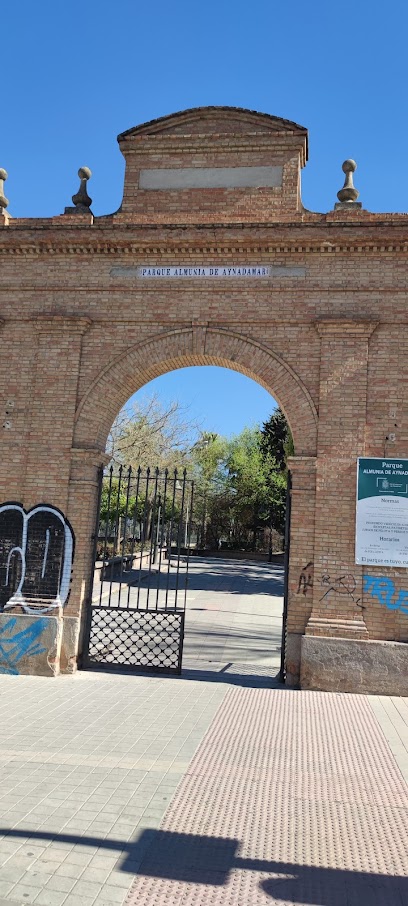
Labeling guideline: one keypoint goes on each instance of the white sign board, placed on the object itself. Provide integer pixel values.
(382, 512)
(214, 272)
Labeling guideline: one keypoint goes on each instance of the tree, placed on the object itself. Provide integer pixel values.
(259, 486)
(150, 435)
(211, 492)
(240, 489)
(277, 440)
(240, 483)
(277, 444)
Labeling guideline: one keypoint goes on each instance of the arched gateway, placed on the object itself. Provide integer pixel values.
(210, 260)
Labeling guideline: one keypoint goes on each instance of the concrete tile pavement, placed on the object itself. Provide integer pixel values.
(87, 763)
(98, 781)
(392, 716)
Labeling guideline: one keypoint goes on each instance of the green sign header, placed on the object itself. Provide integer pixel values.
(377, 477)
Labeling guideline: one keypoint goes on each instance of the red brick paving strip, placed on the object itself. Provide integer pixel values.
(306, 803)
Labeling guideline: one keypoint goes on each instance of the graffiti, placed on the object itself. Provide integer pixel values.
(16, 645)
(36, 554)
(383, 589)
(341, 585)
(306, 578)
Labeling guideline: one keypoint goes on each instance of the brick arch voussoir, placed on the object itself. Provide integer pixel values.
(130, 371)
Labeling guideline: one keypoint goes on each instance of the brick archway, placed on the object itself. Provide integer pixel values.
(165, 352)
(211, 259)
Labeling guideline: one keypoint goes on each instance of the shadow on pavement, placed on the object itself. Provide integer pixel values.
(233, 576)
(210, 860)
(246, 675)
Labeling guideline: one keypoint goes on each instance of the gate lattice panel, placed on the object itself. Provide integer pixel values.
(142, 543)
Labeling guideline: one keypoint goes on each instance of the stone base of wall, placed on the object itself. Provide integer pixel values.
(350, 665)
(292, 659)
(69, 645)
(30, 644)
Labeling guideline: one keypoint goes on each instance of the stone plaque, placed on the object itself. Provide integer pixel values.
(214, 272)
(211, 178)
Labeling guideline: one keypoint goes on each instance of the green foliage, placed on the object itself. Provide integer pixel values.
(240, 483)
(277, 440)
(114, 503)
(258, 482)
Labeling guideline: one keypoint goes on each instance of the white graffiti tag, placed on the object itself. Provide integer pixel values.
(36, 555)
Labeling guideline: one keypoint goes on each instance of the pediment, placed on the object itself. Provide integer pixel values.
(215, 121)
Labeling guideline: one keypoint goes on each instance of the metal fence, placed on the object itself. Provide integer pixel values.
(140, 571)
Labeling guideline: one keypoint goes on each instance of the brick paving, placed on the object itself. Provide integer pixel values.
(293, 798)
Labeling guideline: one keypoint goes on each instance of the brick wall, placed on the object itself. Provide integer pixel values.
(328, 340)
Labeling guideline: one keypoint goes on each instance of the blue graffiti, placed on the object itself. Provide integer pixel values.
(383, 588)
(16, 645)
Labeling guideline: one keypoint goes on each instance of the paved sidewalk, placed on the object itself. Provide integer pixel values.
(290, 798)
(89, 763)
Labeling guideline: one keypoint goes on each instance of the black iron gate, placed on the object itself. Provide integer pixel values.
(137, 606)
(282, 672)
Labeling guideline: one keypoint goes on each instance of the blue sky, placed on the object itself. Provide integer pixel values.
(214, 399)
(74, 75)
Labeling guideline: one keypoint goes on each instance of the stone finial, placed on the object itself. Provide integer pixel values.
(3, 200)
(348, 194)
(81, 200)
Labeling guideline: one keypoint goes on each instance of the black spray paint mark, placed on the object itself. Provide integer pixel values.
(306, 578)
(341, 585)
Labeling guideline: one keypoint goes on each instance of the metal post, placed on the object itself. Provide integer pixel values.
(270, 537)
(186, 527)
(156, 540)
(281, 675)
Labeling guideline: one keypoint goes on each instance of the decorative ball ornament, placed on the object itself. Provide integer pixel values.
(81, 200)
(3, 200)
(348, 193)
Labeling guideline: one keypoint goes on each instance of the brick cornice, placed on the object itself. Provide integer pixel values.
(84, 249)
(119, 235)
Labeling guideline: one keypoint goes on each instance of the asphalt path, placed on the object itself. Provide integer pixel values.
(233, 611)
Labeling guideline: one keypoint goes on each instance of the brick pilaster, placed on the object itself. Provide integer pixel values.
(337, 590)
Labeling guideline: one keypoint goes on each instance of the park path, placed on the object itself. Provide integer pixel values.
(217, 787)
(234, 618)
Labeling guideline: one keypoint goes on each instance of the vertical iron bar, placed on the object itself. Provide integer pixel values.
(181, 643)
(152, 536)
(133, 531)
(188, 543)
(174, 480)
(117, 518)
(105, 540)
(163, 523)
(270, 535)
(129, 476)
(143, 536)
(180, 525)
(281, 675)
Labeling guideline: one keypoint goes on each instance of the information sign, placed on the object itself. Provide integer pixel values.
(382, 512)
